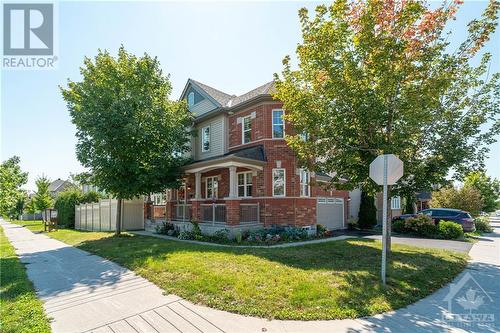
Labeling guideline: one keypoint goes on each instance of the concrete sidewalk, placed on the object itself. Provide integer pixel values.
(86, 293)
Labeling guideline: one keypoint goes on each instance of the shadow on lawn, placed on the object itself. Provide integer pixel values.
(412, 275)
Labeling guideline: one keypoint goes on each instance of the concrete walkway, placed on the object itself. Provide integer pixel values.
(86, 293)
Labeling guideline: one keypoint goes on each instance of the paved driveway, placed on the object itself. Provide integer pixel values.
(86, 293)
(431, 243)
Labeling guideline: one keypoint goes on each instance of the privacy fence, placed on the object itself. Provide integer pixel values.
(101, 216)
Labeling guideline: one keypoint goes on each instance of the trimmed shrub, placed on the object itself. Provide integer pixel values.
(65, 205)
(367, 217)
(483, 224)
(221, 236)
(91, 196)
(421, 225)
(450, 230)
(399, 226)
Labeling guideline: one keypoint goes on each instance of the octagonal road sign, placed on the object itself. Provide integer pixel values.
(394, 169)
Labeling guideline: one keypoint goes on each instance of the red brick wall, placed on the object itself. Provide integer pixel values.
(290, 210)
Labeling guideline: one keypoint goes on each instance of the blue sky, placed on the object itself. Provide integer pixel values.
(233, 46)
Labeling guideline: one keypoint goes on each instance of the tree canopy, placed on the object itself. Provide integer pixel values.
(131, 137)
(488, 188)
(380, 76)
(465, 198)
(42, 198)
(11, 180)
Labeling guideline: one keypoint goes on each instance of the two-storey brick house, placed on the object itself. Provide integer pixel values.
(243, 173)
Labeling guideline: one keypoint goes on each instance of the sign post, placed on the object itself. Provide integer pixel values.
(385, 170)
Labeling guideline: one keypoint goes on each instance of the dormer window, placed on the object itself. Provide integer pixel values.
(191, 98)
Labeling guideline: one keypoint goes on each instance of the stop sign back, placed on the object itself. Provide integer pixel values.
(394, 169)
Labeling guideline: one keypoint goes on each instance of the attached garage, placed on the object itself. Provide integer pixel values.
(330, 213)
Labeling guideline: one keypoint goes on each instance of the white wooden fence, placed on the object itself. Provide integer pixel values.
(101, 216)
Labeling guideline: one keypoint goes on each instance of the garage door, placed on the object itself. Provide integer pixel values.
(330, 213)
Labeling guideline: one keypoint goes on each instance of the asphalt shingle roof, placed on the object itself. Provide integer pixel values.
(228, 101)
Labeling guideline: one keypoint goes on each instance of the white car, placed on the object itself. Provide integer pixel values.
(497, 213)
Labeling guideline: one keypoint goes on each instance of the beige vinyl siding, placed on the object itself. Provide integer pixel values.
(217, 138)
(202, 107)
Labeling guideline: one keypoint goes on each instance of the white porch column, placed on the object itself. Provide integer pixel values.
(233, 190)
(197, 185)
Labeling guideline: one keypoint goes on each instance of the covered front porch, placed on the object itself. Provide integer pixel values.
(218, 192)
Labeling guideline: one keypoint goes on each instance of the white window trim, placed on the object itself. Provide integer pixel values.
(272, 122)
(395, 200)
(243, 129)
(303, 184)
(284, 182)
(214, 178)
(203, 150)
(245, 184)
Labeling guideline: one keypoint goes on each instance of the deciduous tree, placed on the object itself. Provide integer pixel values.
(131, 137)
(488, 187)
(465, 198)
(11, 180)
(42, 198)
(380, 76)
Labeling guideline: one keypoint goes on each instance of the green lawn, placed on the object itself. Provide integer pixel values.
(20, 310)
(333, 280)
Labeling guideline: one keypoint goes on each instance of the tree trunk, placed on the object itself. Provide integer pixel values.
(118, 217)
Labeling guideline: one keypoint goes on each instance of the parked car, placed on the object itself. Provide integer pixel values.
(446, 214)
(497, 213)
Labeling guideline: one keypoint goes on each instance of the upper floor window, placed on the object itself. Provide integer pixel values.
(279, 183)
(245, 184)
(246, 133)
(278, 124)
(205, 139)
(191, 98)
(396, 203)
(305, 188)
(211, 187)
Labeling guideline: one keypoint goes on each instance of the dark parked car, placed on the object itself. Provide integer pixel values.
(446, 214)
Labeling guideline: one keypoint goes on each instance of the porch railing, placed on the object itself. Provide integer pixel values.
(213, 213)
(182, 212)
(249, 213)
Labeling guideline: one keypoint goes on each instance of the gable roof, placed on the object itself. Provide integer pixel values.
(221, 97)
(56, 184)
(227, 101)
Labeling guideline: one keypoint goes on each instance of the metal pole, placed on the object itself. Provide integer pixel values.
(384, 224)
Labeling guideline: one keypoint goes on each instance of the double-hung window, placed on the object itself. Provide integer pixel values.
(305, 188)
(245, 184)
(396, 203)
(246, 130)
(279, 183)
(205, 139)
(159, 198)
(278, 124)
(211, 187)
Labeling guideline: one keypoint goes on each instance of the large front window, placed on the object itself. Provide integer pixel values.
(211, 187)
(279, 182)
(205, 139)
(304, 183)
(247, 130)
(245, 184)
(278, 124)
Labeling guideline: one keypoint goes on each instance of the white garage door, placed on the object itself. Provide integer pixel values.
(330, 213)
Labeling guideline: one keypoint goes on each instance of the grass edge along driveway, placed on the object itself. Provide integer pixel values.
(20, 310)
(333, 280)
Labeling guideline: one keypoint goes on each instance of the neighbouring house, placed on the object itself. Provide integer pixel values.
(243, 174)
(423, 200)
(57, 186)
(396, 206)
